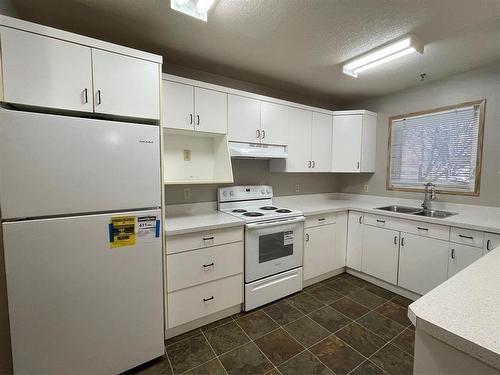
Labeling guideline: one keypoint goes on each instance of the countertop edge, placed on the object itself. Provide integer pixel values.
(175, 232)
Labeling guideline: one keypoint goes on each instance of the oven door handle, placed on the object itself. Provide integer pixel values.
(275, 223)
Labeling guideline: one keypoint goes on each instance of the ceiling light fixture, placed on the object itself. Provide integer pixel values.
(383, 55)
(194, 8)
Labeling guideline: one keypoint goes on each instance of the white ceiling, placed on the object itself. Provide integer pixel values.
(291, 45)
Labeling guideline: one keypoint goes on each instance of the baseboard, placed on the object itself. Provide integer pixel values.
(324, 276)
(179, 330)
(384, 284)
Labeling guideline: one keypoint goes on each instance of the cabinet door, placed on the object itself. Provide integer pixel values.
(321, 142)
(423, 263)
(355, 240)
(346, 154)
(210, 111)
(178, 106)
(491, 241)
(299, 141)
(380, 253)
(274, 123)
(45, 72)
(319, 250)
(125, 86)
(461, 256)
(243, 116)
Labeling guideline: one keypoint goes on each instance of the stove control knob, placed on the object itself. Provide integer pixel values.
(224, 193)
(268, 191)
(231, 193)
(263, 191)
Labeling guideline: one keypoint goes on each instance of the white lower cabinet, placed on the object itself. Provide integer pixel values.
(355, 240)
(423, 263)
(319, 250)
(491, 241)
(461, 256)
(381, 253)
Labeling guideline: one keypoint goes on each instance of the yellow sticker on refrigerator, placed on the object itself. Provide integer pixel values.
(122, 231)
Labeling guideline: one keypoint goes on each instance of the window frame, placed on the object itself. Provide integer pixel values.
(482, 106)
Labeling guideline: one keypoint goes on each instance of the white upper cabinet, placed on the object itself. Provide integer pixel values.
(274, 123)
(125, 86)
(354, 140)
(210, 111)
(45, 72)
(243, 115)
(178, 105)
(321, 142)
(299, 141)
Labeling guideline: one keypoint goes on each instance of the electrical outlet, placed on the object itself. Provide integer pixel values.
(366, 188)
(187, 155)
(297, 188)
(187, 194)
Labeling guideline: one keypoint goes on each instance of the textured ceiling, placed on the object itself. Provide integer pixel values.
(291, 45)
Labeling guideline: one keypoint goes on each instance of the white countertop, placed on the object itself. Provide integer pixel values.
(190, 218)
(186, 218)
(464, 311)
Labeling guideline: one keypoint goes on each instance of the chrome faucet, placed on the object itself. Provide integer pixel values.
(429, 196)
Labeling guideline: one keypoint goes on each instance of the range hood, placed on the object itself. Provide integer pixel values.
(256, 151)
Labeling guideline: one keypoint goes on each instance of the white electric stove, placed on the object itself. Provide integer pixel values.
(273, 243)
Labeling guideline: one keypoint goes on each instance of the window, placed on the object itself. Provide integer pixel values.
(442, 146)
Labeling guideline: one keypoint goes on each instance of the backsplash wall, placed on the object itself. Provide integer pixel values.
(256, 172)
(483, 83)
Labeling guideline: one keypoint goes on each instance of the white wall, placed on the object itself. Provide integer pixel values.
(483, 83)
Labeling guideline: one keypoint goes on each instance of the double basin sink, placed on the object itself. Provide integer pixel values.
(417, 211)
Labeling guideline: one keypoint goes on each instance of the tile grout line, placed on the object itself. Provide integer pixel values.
(211, 347)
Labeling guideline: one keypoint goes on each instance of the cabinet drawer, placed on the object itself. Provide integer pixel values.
(440, 232)
(204, 265)
(200, 240)
(467, 237)
(381, 221)
(205, 299)
(315, 220)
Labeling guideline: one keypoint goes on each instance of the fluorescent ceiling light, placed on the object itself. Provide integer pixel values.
(383, 55)
(194, 8)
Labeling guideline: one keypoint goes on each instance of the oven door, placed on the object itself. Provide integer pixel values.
(272, 247)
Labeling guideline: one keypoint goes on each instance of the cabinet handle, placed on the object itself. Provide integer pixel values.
(422, 228)
(321, 219)
(208, 299)
(402, 241)
(307, 237)
(197, 119)
(452, 253)
(191, 119)
(314, 163)
(488, 242)
(263, 134)
(358, 165)
(258, 133)
(360, 219)
(395, 240)
(85, 96)
(464, 236)
(309, 166)
(380, 221)
(208, 265)
(99, 101)
(208, 238)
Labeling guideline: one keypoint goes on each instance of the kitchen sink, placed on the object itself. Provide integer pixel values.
(436, 214)
(400, 209)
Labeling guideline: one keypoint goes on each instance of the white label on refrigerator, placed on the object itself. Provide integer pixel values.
(146, 227)
(288, 238)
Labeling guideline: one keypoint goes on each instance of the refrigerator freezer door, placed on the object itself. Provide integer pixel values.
(78, 305)
(58, 165)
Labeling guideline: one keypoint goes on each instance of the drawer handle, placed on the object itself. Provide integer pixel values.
(208, 265)
(208, 238)
(464, 236)
(422, 228)
(380, 221)
(321, 219)
(452, 253)
(208, 299)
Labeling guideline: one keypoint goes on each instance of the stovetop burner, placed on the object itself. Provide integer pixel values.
(253, 214)
(268, 208)
(283, 211)
(239, 210)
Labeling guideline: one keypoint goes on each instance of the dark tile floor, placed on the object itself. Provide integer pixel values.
(343, 325)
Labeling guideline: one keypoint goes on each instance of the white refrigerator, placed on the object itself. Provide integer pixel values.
(80, 201)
